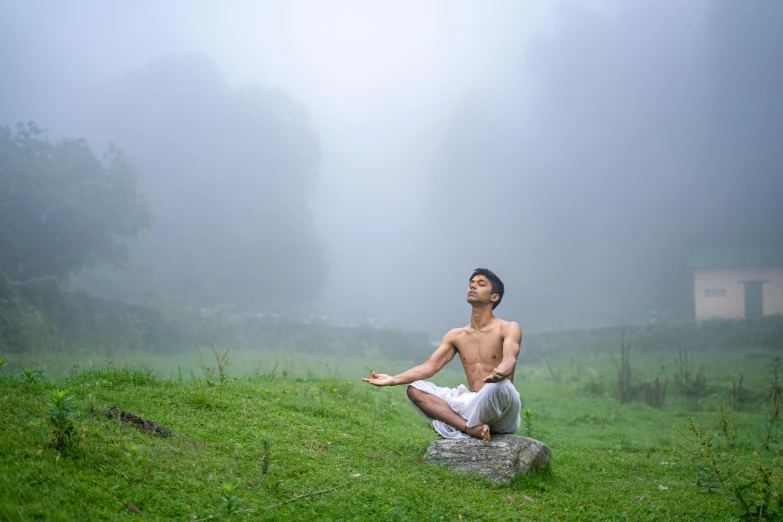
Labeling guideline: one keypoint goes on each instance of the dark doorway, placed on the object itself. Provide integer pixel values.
(754, 299)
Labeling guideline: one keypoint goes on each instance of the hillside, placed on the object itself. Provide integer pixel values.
(332, 449)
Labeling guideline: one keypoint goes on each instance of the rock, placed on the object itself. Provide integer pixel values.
(501, 459)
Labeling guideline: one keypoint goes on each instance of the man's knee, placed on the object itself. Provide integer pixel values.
(503, 390)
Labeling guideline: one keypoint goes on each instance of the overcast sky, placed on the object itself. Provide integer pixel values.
(561, 143)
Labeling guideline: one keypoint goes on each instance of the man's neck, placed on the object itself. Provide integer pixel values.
(481, 316)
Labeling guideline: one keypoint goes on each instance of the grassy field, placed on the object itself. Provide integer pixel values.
(293, 443)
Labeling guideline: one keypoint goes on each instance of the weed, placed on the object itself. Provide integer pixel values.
(3, 363)
(260, 373)
(200, 399)
(591, 383)
(61, 419)
(230, 500)
(134, 464)
(692, 387)
(655, 392)
(29, 375)
(771, 420)
(624, 374)
(726, 423)
(528, 420)
(221, 360)
(757, 488)
(739, 395)
(775, 392)
(556, 376)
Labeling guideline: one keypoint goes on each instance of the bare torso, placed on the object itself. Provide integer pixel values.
(480, 351)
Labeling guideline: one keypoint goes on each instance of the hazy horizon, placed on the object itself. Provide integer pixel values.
(352, 159)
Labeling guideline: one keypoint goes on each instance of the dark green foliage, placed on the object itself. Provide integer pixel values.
(38, 314)
(61, 207)
(707, 337)
(21, 325)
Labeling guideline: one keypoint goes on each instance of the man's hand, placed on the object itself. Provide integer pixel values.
(495, 376)
(379, 379)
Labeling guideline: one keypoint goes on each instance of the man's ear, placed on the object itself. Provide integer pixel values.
(494, 297)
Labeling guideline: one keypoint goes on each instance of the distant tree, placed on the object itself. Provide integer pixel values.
(61, 207)
(228, 174)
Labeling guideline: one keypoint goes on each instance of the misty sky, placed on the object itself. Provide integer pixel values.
(579, 149)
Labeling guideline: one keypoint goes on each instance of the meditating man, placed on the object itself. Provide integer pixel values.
(488, 348)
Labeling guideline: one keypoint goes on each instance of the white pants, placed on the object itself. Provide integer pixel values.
(496, 404)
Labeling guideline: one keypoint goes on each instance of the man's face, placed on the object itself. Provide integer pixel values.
(480, 290)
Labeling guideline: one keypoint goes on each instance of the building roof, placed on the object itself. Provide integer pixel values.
(737, 256)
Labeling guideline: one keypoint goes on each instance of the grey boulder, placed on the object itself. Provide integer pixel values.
(500, 459)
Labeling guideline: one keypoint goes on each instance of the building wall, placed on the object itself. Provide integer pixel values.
(720, 294)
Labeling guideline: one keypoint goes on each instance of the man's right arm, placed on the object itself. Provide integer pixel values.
(440, 357)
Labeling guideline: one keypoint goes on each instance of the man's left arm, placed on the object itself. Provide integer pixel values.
(512, 338)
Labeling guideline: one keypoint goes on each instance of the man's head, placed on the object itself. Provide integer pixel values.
(485, 287)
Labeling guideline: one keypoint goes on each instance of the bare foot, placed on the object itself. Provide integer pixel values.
(480, 431)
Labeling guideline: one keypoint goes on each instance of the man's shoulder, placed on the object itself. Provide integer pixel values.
(455, 332)
(508, 327)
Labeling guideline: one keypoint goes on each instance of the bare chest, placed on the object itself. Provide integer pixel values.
(480, 347)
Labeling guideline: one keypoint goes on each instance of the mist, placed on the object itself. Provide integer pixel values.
(357, 161)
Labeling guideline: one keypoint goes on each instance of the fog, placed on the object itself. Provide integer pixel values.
(358, 160)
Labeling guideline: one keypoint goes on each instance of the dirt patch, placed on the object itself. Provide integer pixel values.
(131, 418)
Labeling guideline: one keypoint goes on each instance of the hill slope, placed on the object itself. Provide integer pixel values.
(326, 450)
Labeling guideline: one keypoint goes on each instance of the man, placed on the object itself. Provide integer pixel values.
(488, 348)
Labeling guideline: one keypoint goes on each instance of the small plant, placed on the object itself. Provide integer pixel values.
(29, 375)
(726, 423)
(3, 363)
(221, 360)
(61, 419)
(591, 383)
(134, 459)
(528, 420)
(772, 420)
(776, 390)
(757, 488)
(260, 373)
(739, 395)
(655, 392)
(230, 501)
(692, 387)
(624, 374)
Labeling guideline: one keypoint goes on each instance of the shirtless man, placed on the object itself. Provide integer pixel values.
(488, 348)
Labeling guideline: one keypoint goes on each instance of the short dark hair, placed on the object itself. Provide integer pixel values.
(494, 281)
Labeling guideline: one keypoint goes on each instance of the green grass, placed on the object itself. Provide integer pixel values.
(354, 450)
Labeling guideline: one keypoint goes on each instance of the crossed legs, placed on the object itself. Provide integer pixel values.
(436, 408)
